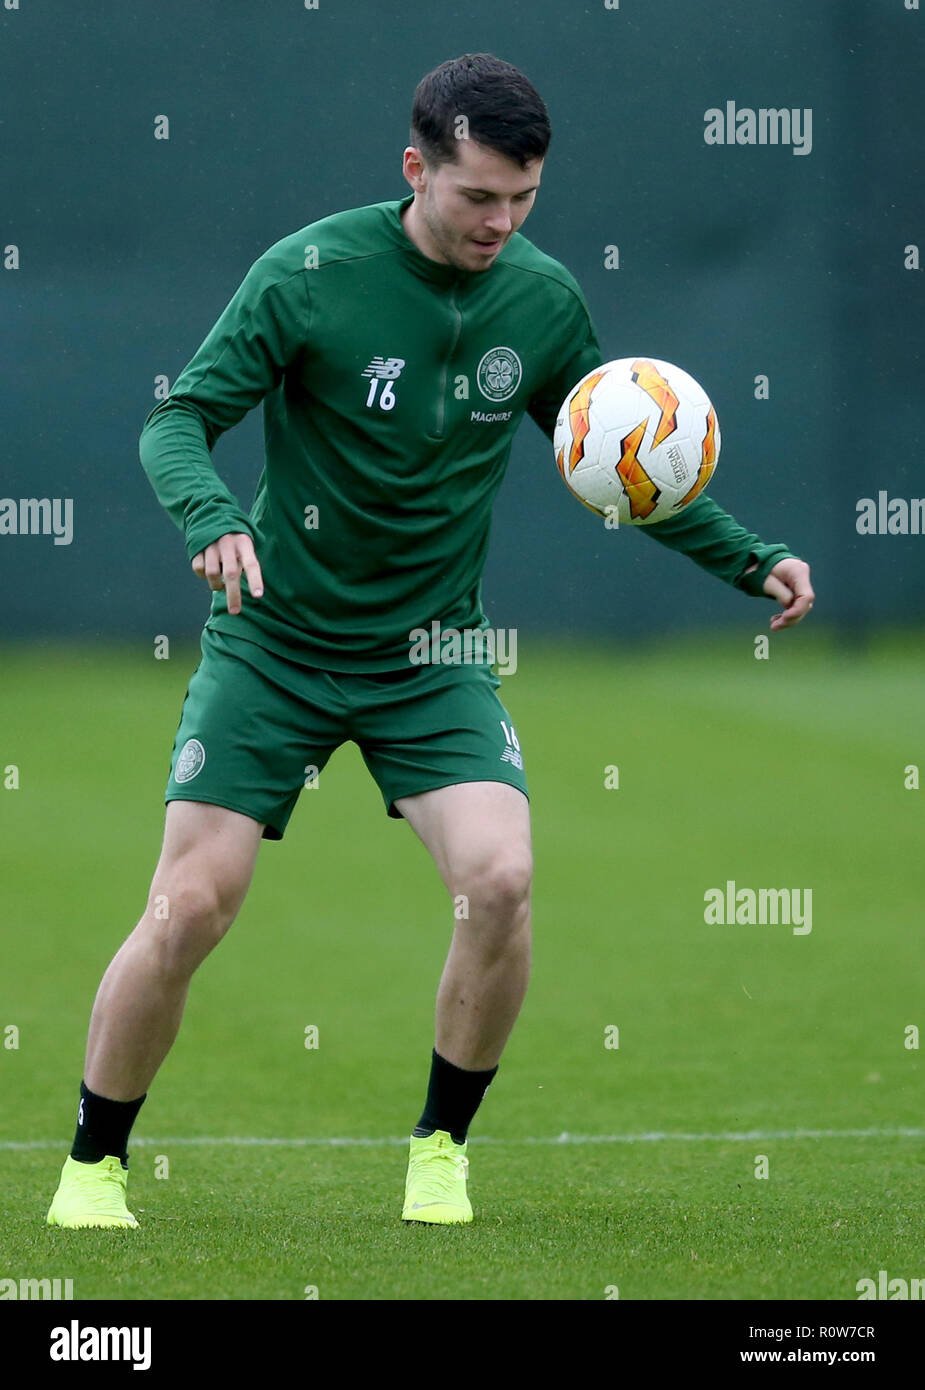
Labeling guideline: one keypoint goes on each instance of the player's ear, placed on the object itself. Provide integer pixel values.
(413, 167)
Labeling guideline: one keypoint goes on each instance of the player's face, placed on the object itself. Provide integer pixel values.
(464, 213)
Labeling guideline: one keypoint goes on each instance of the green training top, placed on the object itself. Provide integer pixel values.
(392, 386)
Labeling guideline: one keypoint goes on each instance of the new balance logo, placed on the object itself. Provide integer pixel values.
(511, 753)
(385, 368)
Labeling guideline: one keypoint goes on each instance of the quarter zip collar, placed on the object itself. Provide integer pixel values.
(435, 271)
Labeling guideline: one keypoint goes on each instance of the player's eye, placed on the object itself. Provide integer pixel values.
(481, 197)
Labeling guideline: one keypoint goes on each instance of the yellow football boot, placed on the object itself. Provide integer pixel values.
(435, 1189)
(91, 1194)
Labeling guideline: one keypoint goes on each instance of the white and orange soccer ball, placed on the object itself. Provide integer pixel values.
(636, 440)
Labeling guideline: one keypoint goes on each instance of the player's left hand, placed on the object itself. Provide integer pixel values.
(788, 582)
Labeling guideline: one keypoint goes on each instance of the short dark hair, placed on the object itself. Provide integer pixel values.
(503, 110)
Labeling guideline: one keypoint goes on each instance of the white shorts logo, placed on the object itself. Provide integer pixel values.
(512, 753)
(190, 762)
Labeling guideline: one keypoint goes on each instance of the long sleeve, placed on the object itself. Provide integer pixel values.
(713, 539)
(581, 353)
(259, 334)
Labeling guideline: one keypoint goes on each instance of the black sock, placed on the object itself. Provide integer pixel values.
(453, 1096)
(103, 1127)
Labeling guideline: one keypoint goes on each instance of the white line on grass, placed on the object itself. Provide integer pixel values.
(652, 1137)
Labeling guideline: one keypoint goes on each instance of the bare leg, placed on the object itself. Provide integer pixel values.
(202, 876)
(479, 836)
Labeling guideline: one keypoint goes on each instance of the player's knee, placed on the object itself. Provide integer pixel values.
(188, 916)
(500, 886)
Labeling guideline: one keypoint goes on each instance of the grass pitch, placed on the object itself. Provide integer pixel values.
(592, 1166)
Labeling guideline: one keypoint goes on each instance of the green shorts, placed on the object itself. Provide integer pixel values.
(256, 728)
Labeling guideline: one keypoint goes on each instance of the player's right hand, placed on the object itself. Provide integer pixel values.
(221, 564)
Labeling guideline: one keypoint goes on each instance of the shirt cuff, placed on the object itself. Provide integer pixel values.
(767, 558)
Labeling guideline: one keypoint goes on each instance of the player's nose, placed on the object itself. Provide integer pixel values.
(499, 226)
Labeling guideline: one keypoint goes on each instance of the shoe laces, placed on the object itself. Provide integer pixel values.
(443, 1170)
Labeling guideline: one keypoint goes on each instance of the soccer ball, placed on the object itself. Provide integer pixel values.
(636, 440)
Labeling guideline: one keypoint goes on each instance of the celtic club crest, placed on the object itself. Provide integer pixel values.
(499, 373)
(190, 762)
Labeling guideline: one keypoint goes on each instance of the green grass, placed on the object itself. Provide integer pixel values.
(785, 773)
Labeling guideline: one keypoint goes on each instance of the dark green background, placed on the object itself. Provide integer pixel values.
(734, 261)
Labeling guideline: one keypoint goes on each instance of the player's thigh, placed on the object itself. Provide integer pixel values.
(252, 729)
(207, 860)
(478, 834)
